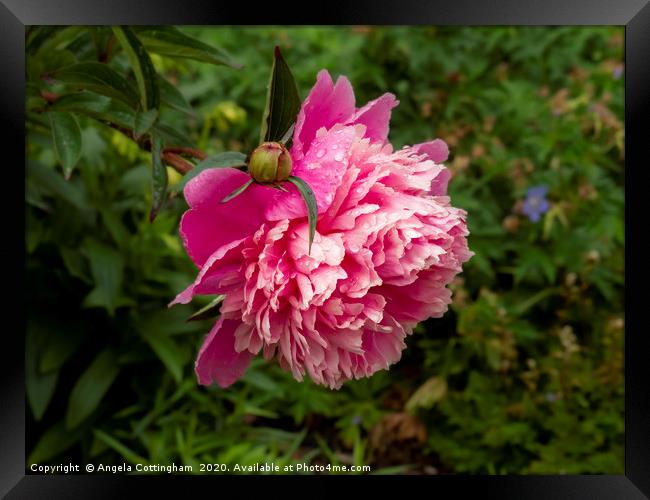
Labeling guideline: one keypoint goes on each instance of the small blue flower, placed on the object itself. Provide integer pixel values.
(617, 72)
(536, 204)
(356, 420)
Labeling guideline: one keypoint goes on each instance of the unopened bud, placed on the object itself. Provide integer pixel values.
(270, 163)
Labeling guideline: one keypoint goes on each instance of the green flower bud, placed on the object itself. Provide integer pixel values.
(270, 163)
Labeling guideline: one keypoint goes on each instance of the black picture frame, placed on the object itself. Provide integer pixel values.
(15, 15)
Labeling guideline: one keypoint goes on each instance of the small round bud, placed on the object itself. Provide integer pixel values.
(270, 162)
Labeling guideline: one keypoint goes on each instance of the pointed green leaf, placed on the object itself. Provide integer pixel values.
(99, 78)
(172, 135)
(40, 385)
(237, 191)
(209, 311)
(107, 268)
(282, 101)
(172, 97)
(168, 351)
(51, 182)
(80, 101)
(310, 201)
(169, 41)
(126, 453)
(96, 106)
(145, 73)
(144, 120)
(288, 134)
(63, 340)
(54, 441)
(66, 135)
(220, 160)
(158, 177)
(91, 388)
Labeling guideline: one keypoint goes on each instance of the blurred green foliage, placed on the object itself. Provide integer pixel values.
(524, 374)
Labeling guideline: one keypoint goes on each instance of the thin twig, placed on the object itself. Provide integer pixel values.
(179, 164)
(194, 153)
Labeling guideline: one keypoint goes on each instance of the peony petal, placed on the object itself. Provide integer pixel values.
(438, 152)
(326, 105)
(375, 116)
(216, 275)
(210, 224)
(322, 168)
(218, 361)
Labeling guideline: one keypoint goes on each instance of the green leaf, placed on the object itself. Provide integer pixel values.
(91, 387)
(432, 391)
(237, 191)
(144, 120)
(172, 97)
(172, 135)
(167, 351)
(51, 182)
(282, 101)
(38, 36)
(107, 268)
(66, 135)
(54, 441)
(82, 101)
(209, 311)
(99, 78)
(126, 453)
(158, 177)
(310, 201)
(145, 73)
(63, 340)
(169, 41)
(96, 106)
(40, 385)
(220, 160)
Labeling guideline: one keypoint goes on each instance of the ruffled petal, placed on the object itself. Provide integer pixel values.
(375, 116)
(219, 274)
(218, 361)
(210, 224)
(326, 105)
(438, 152)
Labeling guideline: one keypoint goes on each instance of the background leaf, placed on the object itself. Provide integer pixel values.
(99, 78)
(107, 267)
(66, 135)
(91, 387)
(145, 73)
(158, 176)
(169, 41)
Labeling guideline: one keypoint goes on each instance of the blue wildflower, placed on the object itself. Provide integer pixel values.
(536, 204)
(356, 420)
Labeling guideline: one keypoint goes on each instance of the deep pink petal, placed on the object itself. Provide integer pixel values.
(210, 224)
(326, 105)
(218, 361)
(219, 274)
(322, 168)
(376, 116)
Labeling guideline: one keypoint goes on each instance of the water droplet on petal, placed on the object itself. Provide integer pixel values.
(335, 146)
(338, 156)
(320, 153)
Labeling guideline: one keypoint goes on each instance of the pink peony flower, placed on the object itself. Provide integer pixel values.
(387, 244)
